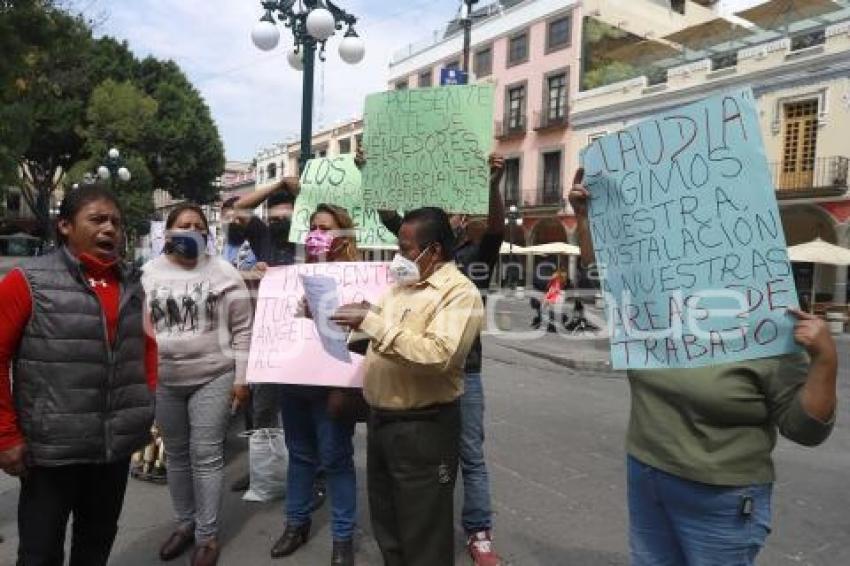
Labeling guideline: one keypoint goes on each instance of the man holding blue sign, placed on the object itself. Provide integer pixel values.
(680, 213)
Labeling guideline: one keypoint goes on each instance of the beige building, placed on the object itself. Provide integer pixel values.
(281, 159)
(795, 54)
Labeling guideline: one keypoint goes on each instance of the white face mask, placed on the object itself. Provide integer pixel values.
(404, 271)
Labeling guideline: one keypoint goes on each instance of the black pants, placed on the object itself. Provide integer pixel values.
(412, 468)
(93, 493)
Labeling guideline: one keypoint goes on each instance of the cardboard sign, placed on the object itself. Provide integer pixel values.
(337, 181)
(688, 238)
(429, 147)
(286, 347)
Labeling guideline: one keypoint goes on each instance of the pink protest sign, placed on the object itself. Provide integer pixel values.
(287, 347)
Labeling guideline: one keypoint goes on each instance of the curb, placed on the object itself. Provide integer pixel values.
(581, 365)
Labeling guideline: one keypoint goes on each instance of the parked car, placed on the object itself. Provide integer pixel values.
(14, 248)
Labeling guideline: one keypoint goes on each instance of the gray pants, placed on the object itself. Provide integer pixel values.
(193, 421)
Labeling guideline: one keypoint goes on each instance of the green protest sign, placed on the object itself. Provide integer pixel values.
(337, 181)
(429, 147)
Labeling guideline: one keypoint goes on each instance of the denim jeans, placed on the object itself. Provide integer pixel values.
(193, 421)
(678, 522)
(314, 439)
(477, 515)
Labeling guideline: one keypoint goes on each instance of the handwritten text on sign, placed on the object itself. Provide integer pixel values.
(688, 236)
(429, 147)
(337, 181)
(286, 347)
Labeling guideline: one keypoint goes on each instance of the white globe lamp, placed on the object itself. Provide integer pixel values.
(124, 174)
(295, 59)
(103, 172)
(265, 35)
(321, 24)
(113, 153)
(352, 49)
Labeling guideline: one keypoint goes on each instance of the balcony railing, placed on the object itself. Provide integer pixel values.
(545, 120)
(550, 195)
(827, 177)
(511, 127)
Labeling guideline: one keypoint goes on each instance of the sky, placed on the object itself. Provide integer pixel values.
(255, 96)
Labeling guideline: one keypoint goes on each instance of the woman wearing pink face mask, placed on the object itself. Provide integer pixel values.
(314, 437)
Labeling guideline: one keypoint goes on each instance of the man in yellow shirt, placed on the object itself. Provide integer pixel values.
(421, 332)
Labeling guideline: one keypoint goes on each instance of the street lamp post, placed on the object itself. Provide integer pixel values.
(312, 22)
(512, 218)
(467, 31)
(113, 169)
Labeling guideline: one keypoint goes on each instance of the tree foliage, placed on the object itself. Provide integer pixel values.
(66, 97)
(186, 154)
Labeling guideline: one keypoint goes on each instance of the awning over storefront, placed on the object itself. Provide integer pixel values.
(776, 13)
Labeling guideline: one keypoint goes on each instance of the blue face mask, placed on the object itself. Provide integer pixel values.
(188, 244)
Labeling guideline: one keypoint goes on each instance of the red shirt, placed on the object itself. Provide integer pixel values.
(15, 311)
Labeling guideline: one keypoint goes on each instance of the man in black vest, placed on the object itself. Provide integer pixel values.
(83, 370)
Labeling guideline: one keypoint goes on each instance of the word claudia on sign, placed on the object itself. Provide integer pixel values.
(428, 147)
(687, 232)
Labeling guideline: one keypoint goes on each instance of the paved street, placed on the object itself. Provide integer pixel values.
(557, 464)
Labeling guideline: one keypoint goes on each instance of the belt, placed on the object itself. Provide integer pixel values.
(429, 413)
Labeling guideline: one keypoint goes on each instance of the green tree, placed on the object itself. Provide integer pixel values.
(51, 117)
(53, 96)
(120, 115)
(23, 33)
(185, 154)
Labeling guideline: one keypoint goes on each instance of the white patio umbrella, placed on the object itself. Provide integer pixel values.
(505, 249)
(554, 248)
(817, 251)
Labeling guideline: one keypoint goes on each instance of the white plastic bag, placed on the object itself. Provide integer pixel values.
(267, 455)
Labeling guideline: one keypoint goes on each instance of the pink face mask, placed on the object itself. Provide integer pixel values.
(319, 243)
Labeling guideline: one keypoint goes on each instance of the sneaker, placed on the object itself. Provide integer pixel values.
(480, 547)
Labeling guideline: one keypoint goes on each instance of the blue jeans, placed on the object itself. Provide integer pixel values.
(678, 522)
(477, 514)
(313, 438)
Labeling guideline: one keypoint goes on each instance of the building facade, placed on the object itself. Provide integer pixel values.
(281, 159)
(796, 57)
(528, 49)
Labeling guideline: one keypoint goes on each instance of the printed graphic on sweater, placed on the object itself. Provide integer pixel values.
(191, 309)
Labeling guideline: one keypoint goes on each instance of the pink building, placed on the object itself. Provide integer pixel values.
(529, 49)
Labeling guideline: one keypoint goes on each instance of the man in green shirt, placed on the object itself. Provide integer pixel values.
(699, 443)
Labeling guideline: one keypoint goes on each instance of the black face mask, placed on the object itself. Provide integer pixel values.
(235, 234)
(185, 244)
(279, 230)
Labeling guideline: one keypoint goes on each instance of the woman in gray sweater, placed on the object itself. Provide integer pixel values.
(201, 314)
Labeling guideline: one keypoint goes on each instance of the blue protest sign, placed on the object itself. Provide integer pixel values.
(453, 77)
(688, 238)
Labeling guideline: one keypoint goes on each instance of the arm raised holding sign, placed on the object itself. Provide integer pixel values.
(578, 198)
(291, 185)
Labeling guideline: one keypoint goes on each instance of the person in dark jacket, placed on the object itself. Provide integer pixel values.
(72, 330)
